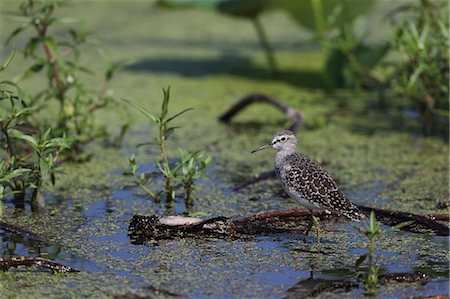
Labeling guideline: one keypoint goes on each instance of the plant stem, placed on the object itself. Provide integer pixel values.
(9, 144)
(264, 42)
(139, 183)
(169, 188)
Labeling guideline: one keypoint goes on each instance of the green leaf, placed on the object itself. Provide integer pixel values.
(8, 60)
(178, 114)
(16, 173)
(169, 132)
(16, 31)
(372, 222)
(398, 226)
(27, 138)
(165, 103)
(116, 66)
(67, 21)
(31, 46)
(142, 110)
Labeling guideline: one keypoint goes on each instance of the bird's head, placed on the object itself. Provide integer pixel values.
(282, 140)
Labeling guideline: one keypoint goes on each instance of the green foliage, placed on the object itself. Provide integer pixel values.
(28, 156)
(421, 74)
(421, 38)
(58, 57)
(350, 61)
(373, 232)
(192, 164)
(192, 167)
(142, 180)
(314, 14)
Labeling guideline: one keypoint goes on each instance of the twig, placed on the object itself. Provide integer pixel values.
(289, 112)
(420, 223)
(21, 231)
(8, 262)
(261, 177)
(298, 213)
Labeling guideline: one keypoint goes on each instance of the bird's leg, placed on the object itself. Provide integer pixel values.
(317, 225)
(311, 220)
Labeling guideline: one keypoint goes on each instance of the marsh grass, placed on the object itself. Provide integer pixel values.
(55, 50)
(30, 156)
(191, 165)
(374, 232)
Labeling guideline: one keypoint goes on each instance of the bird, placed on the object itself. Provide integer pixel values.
(307, 182)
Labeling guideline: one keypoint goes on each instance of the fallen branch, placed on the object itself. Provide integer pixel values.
(289, 112)
(261, 177)
(21, 231)
(7, 262)
(152, 228)
(312, 287)
(416, 276)
(420, 224)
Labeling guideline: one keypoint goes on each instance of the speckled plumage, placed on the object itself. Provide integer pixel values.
(306, 181)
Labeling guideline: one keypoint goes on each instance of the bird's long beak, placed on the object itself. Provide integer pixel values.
(262, 147)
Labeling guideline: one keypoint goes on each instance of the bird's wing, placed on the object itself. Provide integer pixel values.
(313, 182)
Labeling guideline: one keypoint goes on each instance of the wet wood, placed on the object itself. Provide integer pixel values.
(289, 112)
(143, 229)
(261, 177)
(312, 287)
(416, 276)
(8, 262)
(147, 228)
(420, 224)
(149, 293)
(21, 231)
(279, 215)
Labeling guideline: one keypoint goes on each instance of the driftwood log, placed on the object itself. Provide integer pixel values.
(289, 112)
(143, 229)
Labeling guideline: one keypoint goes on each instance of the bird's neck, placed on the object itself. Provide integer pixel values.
(283, 153)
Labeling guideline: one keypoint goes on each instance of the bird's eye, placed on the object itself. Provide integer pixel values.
(283, 138)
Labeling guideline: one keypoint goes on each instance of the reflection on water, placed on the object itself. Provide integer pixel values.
(13, 244)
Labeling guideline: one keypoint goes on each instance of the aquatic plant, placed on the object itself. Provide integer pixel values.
(192, 164)
(421, 39)
(373, 232)
(28, 155)
(59, 55)
(140, 180)
(420, 75)
(192, 168)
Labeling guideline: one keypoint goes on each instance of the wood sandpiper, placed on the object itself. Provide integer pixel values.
(307, 182)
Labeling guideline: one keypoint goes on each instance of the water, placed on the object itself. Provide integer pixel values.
(271, 266)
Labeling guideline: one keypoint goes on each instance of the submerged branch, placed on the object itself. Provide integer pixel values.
(21, 231)
(420, 224)
(7, 262)
(261, 177)
(289, 112)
